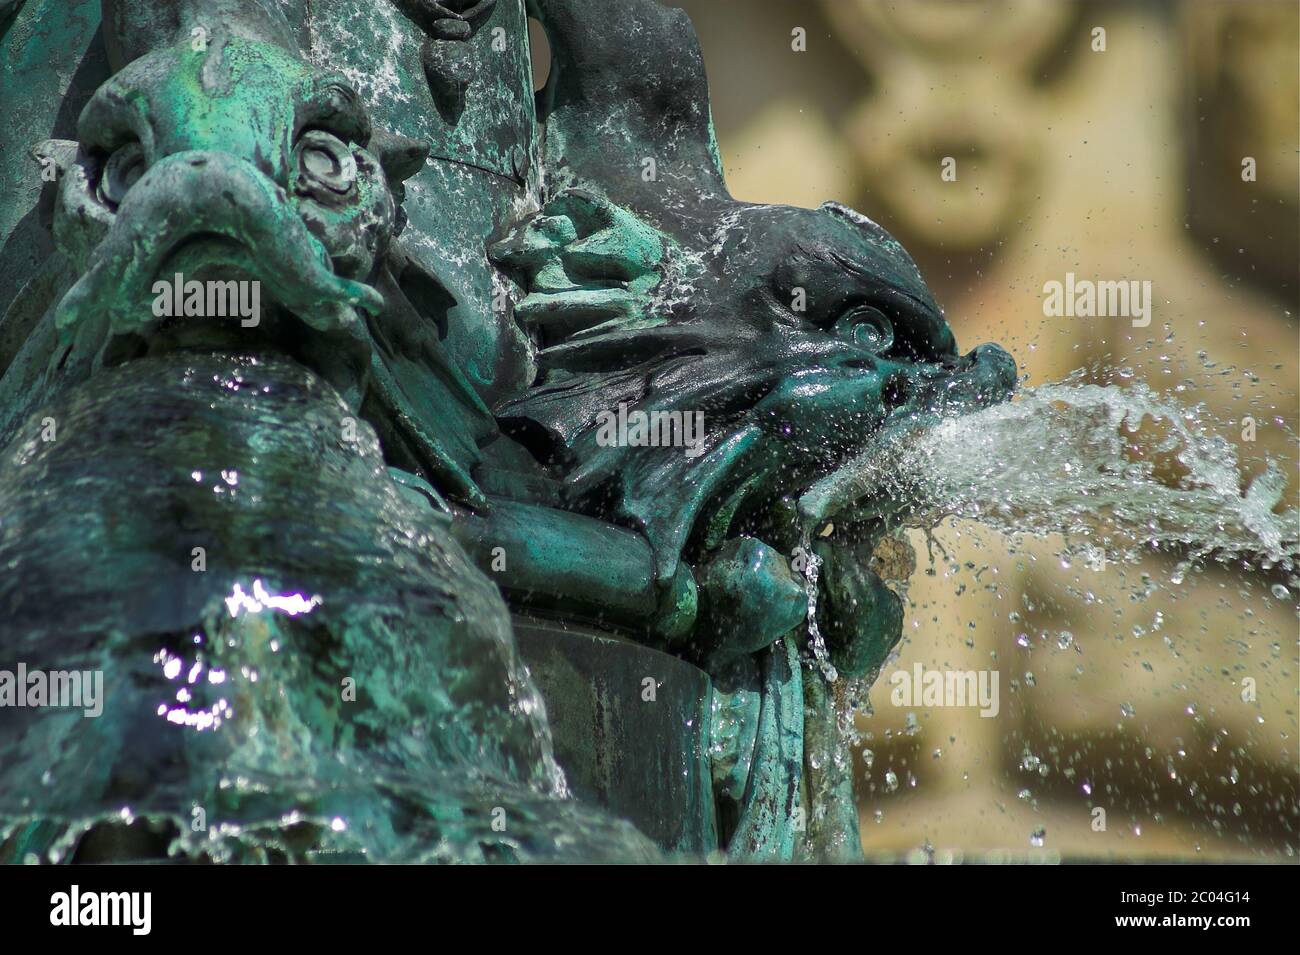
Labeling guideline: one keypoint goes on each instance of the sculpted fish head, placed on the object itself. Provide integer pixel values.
(226, 194)
(220, 159)
(794, 338)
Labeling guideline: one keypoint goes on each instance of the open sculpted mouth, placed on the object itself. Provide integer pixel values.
(868, 485)
(247, 277)
(820, 529)
(213, 293)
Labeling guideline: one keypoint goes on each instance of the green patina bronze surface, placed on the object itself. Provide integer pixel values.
(527, 386)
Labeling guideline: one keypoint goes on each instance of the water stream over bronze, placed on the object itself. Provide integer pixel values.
(422, 564)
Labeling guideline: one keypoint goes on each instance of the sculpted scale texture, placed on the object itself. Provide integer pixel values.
(402, 476)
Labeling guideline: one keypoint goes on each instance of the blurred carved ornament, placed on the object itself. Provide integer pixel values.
(935, 98)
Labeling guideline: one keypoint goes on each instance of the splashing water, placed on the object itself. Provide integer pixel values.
(1116, 471)
(816, 642)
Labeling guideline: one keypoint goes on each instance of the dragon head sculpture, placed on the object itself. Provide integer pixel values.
(216, 152)
(217, 164)
(704, 362)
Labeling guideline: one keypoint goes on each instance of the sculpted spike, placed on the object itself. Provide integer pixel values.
(610, 105)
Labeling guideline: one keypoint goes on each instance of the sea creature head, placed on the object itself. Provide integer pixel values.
(708, 367)
(796, 335)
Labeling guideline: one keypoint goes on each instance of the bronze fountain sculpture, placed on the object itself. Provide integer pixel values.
(431, 472)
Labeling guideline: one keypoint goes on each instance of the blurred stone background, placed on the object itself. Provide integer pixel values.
(1122, 163)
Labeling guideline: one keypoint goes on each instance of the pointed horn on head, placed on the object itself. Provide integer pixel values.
(627, 85)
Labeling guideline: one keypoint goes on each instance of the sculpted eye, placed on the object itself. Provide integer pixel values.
(867, 327)
(325, 162)
(124, 167)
